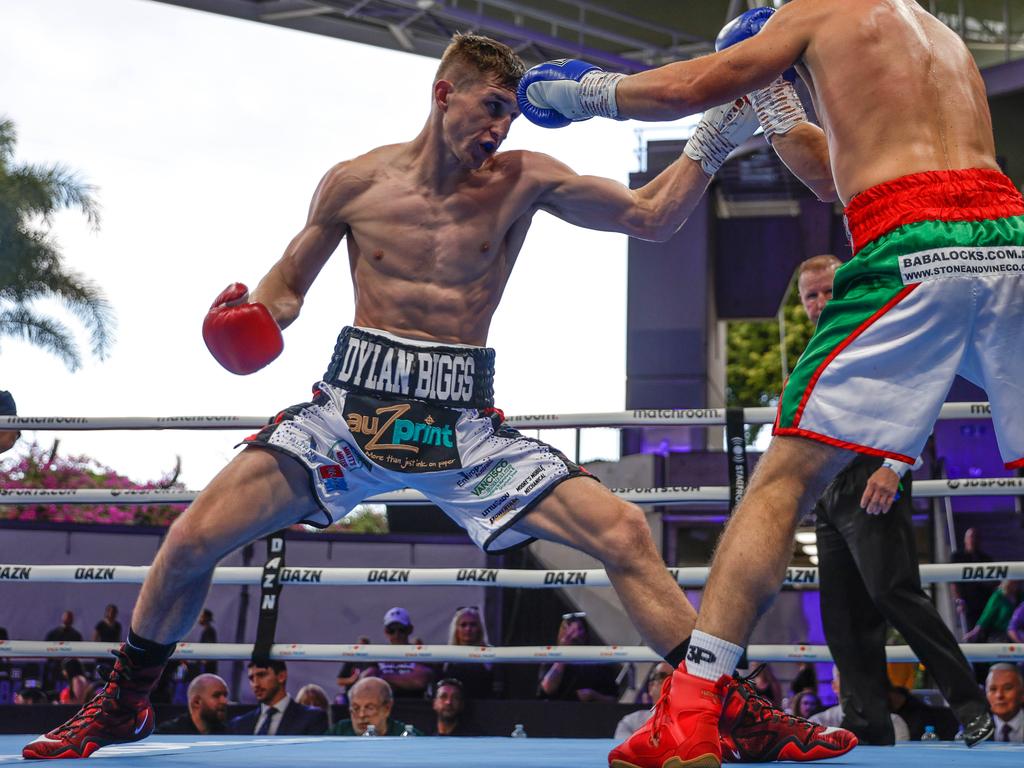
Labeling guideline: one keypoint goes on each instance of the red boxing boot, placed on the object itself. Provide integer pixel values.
(683, 730)
(756, 731)
(120, 713)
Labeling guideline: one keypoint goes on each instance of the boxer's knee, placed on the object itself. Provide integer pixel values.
(625, 539)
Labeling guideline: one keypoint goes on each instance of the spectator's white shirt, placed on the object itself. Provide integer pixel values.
(631, 723)
(833, 717)
(1016, 727)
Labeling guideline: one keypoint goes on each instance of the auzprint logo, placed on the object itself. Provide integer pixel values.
(405, 430)
(494, 480)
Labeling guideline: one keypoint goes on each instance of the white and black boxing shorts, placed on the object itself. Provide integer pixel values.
(398, 413)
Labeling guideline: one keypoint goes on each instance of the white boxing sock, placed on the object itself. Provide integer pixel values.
(711, 657)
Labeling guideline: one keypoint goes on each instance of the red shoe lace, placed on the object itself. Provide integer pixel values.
(660, 712)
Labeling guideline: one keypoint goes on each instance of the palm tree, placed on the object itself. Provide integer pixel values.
(31, 265)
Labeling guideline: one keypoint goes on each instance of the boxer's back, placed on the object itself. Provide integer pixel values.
(896, 91)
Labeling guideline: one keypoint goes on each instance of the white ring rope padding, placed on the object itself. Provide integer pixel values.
(641, 417)
(679, 494)
(474, 654)
(936, 573)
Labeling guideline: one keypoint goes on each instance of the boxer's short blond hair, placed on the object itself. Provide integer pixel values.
(474, 55)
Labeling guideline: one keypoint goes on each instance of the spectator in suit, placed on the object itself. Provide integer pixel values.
(108, 629)
(8, 437)
(478, 680)
(277, 714)
(407, 679)
(207, 709)
(449, 705)
(1004, 689)
(631, 723)
(369, 703)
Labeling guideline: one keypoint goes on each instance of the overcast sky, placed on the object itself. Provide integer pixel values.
(205, 137)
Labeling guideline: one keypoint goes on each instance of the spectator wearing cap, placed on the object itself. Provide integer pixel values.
(478, 680)
(8, 437)
(407, 679)
(577, 682)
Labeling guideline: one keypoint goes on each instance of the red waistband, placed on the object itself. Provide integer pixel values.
(964, 195)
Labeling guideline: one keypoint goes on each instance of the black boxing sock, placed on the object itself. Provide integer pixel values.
(677, 655)
(147, 653)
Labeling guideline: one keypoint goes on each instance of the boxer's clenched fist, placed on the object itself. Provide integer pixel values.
(242, 336)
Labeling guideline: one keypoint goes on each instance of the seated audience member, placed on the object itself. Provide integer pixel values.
(1015, 629)
(108, 629)
(8, 437)
(577, 682)
(207, 709)
(77, 682)
(408, 679)
(805, 704)
(917, 715)
(30, 696)
(806, 678)
(277, 714)
(369, 703)
(350, 673)
(631, 723)
(1004, 689)
(449, 705)
(766, 683)
(467, 628)
(833, 716)
(995, 619)
(312, 695)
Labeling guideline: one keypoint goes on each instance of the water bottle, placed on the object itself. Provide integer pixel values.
(371, 730)
(408, 731)
(929, 734)
(519, 732)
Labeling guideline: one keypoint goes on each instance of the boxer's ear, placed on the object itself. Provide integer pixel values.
(442, 90)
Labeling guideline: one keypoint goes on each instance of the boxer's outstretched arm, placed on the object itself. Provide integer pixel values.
(652, 212)
(804, 150)
(687, 87)
(283, 289)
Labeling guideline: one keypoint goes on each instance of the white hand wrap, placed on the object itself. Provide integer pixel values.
(778, 107)
(592, 96)
(720, 130)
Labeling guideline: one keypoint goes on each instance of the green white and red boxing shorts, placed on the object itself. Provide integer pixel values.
(396, 413)
(935, 288)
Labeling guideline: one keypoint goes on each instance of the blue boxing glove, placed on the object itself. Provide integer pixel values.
(559, 92)
(778, 106)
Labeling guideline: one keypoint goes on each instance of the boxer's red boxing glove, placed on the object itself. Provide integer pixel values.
(242, 336)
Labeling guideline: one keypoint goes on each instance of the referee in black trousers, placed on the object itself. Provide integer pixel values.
(869, 577)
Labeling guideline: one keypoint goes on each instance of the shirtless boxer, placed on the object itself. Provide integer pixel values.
(433, 229)
(935, 288)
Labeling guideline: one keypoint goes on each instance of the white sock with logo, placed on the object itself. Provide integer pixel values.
(711, 657)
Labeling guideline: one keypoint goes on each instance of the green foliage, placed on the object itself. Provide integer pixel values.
(363, 519)
(31, 264)
(753, 370)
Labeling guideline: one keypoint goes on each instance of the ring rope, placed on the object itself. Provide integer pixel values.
(642, 417)
(679, 494)
(476, 654)
(936, 573)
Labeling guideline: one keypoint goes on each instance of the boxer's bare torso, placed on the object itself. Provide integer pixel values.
(434, 226)
(895, 90)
